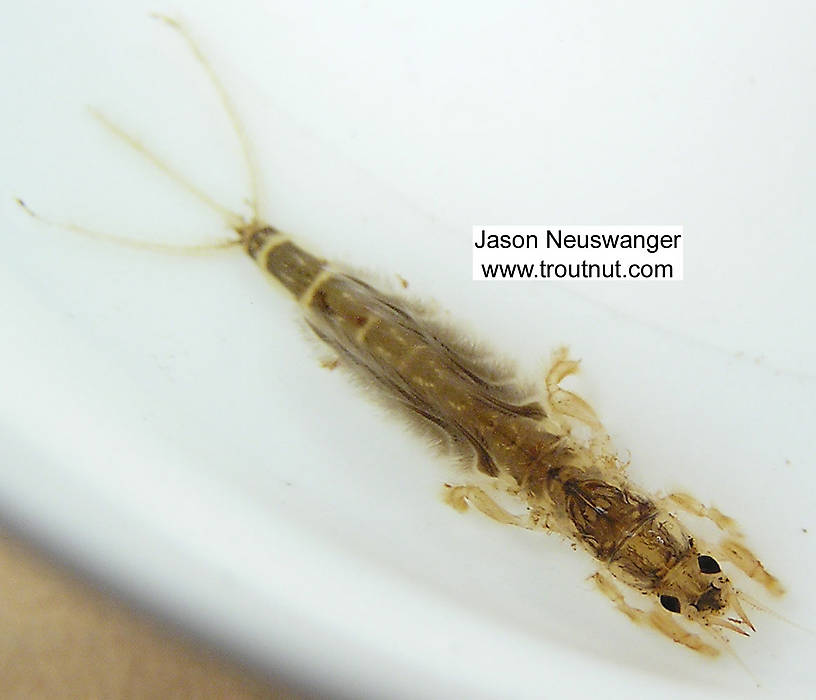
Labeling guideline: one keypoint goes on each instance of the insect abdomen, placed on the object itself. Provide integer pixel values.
(408, 362)
(284, 260)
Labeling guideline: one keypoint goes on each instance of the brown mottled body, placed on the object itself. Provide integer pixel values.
(570, 486)
(410, 363)
(408, 360)
(522, 443)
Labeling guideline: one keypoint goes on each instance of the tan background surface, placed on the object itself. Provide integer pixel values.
(60, 638)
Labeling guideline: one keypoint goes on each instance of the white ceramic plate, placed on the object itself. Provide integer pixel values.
(166, 426)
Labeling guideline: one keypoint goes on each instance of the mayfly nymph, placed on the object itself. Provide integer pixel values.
(524, 442)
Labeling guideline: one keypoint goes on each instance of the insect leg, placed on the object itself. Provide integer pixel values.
(746, 561)
(730, 549)
(693, 506)
(657, 619)
(563, 403)
(460, 497)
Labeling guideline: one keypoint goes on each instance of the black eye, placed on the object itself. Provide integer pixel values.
(670, 603)
(708, 565)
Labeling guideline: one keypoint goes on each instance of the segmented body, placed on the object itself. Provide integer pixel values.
(572, 487)
(376, 334)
